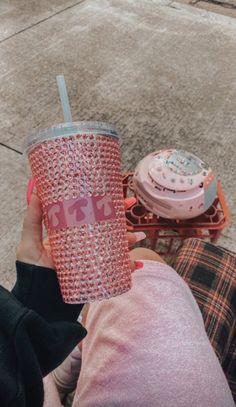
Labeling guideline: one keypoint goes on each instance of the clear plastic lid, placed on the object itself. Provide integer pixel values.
(177, 169)
(70, 129)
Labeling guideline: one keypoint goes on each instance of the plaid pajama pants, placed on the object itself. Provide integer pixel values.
(210, 272)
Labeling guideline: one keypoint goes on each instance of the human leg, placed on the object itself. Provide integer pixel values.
(149, 347)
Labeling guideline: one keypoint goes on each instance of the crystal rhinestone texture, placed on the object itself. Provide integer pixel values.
(91, 258)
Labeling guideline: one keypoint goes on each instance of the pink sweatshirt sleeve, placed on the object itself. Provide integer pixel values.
(149, 348)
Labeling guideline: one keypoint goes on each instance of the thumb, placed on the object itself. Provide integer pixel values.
(32, 226)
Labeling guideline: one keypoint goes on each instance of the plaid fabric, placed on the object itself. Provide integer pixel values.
(210, 272)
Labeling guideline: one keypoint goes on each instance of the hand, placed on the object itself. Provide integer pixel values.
(133, 237)
(140, 252)
(32, 249)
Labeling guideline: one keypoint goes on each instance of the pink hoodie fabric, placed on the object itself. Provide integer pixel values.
(148, 348)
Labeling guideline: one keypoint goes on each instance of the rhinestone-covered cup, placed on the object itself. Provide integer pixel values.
(77, 172)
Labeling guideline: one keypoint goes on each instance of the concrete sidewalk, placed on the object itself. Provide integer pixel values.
(161, 71)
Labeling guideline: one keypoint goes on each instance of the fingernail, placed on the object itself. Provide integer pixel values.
(140, 236)
(138, 264)
(130, 202)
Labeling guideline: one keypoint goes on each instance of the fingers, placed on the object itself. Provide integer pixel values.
(46, 243)
(47, 247)
(130, 202)
(135, 237)
(32, 226)
(140, 253)
(132, 239)
(132, 266)
(135, 265)
(30, 189)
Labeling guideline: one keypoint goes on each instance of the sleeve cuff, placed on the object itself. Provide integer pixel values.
(37, 288)
(11, 311)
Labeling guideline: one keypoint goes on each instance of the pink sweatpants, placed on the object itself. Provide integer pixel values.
(149, 348)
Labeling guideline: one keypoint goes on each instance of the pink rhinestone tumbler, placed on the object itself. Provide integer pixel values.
(76, 167)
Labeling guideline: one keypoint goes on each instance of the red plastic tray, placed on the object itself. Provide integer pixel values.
(166, 235)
